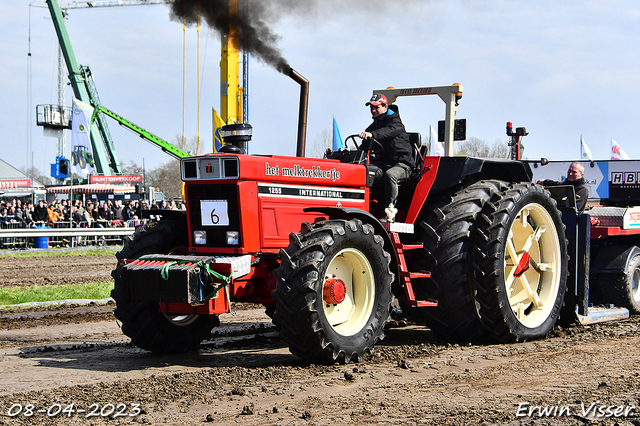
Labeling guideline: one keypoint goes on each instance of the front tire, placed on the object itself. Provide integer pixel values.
(147, 327)
(350, 255)
(520, 262)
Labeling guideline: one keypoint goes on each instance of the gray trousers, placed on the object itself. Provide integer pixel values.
(391, 174)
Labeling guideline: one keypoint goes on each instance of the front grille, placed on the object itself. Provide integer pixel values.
(216, 235)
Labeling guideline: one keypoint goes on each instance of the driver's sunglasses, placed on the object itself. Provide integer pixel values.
(376, 106)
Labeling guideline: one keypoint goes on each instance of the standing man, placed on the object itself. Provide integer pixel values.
(398, 160)
(40, 213)
(27, 213)
(575, 177)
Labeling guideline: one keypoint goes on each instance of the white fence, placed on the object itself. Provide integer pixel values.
(63, 234)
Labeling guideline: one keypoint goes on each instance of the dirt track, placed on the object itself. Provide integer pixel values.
(245, 375)
(55, 270)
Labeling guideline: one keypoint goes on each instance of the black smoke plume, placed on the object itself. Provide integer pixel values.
(252, 21)
(256, 18)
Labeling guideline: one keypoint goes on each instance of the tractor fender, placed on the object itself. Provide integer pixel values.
(365, 217)
(613, 259)
(441, 174)
(453, 171)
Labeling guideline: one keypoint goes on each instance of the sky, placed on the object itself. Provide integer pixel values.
(562, 69)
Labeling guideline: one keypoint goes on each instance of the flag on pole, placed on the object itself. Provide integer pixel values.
(338, 143)
(617, 153)
(438, 146)
(585, 152)
(82, 162)
(217, 137)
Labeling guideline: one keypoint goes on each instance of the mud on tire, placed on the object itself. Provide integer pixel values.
(520, 263)
(141, 321)
(319, 331)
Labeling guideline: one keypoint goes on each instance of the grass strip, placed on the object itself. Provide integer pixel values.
(63, 252)
(47, 293)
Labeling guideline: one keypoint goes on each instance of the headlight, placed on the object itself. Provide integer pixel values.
(233, 238)
(200, 237)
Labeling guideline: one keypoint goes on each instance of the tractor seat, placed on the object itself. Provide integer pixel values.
(419, 152)
(406, 187)
(415, 138)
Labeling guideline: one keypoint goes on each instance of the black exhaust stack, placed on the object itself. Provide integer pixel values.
(302, 114)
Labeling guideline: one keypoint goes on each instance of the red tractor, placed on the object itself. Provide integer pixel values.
(477, 250)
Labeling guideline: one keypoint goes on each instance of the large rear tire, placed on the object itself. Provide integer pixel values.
(342, 255)
(147, 327)
(520, 264)
(445, 228)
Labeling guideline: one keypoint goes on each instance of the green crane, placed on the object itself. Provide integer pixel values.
(105, 156)
(144, 134)
(84, 88)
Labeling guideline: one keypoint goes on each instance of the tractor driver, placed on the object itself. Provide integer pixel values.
(398, 160)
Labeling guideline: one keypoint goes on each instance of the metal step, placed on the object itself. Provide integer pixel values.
(421, 274)
(406, 275)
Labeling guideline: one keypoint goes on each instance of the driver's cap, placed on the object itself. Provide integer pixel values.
(377, 100)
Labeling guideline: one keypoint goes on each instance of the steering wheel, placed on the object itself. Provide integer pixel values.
(375, 148)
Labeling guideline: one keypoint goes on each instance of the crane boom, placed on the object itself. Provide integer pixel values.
(81, 79)
(102, 124)
(105, 162)
(144, 134)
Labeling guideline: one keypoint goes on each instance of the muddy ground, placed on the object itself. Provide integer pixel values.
(75, 358)
(55, 270)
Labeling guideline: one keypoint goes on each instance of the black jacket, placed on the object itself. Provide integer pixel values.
(579, 186)
(40, 213)
(390, 132)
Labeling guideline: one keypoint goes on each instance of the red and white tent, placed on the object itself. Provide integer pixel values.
(93, 188)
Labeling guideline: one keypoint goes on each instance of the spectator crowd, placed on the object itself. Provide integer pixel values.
(95, 214)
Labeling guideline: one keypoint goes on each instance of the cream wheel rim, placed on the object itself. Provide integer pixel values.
(350, 316)
(532, 266)
(181, 320)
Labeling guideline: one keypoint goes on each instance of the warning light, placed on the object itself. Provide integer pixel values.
(458, 94)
